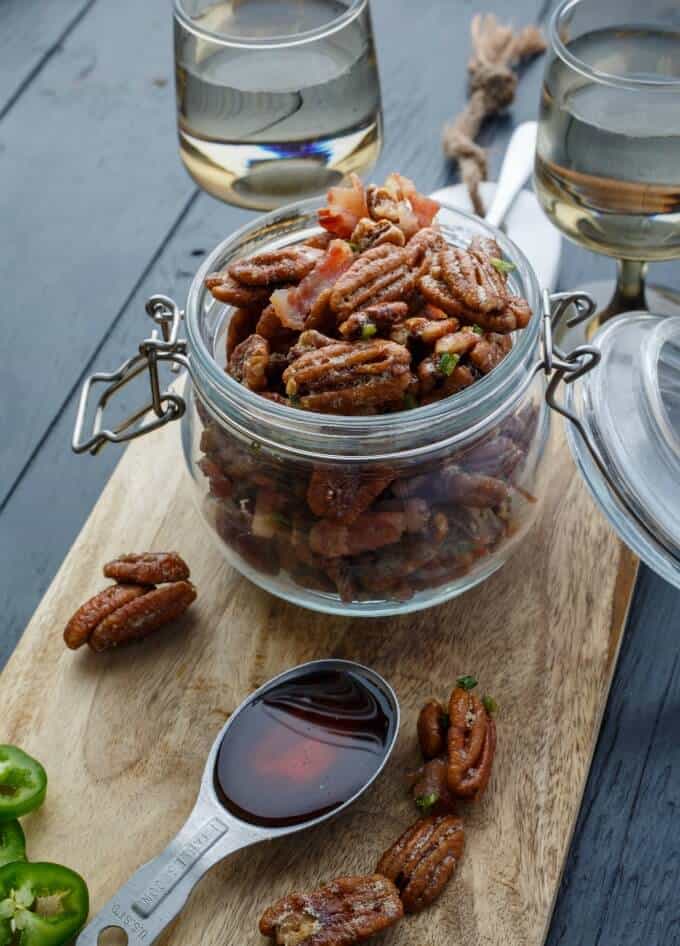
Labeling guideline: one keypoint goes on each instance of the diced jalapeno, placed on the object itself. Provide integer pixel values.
(41, 904)
(12, 843)
(23, 783)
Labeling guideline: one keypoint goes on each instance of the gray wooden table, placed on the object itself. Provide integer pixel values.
(96, 213)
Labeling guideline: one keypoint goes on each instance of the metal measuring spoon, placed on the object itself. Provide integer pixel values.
(139, 912)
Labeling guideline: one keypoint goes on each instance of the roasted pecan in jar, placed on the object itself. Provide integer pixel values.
(423, 860)
(381, 274)
(346, 911)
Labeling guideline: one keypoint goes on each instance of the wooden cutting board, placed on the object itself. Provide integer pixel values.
(124, 735)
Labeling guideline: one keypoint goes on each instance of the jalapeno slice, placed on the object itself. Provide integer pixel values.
(41, 904)
(12, 843)
(23, 783)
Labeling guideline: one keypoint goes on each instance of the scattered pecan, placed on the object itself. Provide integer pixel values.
(88, 615)
(471, 744)
(381, 274)
(374, 320)
(346, 377)
(147, 568)
(430, 787)
(343, 494)
(423, 860)
(226, 289)
(432, 726)
(346, 911)
(290, 264)
(368, 233)
(142, 616)
(370, 531)
(248, 362)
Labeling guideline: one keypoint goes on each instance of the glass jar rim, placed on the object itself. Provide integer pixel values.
(557, 23)
(466, 411)
(353, 10)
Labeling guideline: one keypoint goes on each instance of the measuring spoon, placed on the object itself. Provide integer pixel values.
(139, 912)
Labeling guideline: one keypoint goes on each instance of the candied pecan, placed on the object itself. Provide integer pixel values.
(340, 573)
(348, 910)
(343, 494)
(389, 203)
(248, 362)
(423, 245)
(497, 456)
(430, 787)
(458, 343)
(391, 568)
(424, 208)
(147, 568)
(88, 615)
(489, 351)
(368, 233)
(433, 380)
(485, 247)
(221, 487)
(270, 326)
(432, 729)
(267, 516)
(142, 616)
(381, 274)
(375, 319)
(471, 744)
(309, 340)
(470, 489)
(370, 531)
(471, 278)
(226, 289)
(416, 510)
(422, 861)
(242, 323)
(430, 330)
(346, 378)
(289, 264)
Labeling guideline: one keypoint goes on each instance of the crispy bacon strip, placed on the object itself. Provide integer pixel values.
(346, 207)
(293, 305)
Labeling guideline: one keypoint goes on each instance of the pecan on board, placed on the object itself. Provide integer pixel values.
(349, 378)
(142, 616)
(381, 274)
(422, 861)
(471, 743)
(87, 617)
(430, 787)
(147, 568)
(346, 911)
(432, 726)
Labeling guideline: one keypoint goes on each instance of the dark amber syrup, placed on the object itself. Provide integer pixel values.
(303, 748)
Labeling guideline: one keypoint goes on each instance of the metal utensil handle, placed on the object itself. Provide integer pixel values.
(518, 164)
(155, 894)
(165, 405)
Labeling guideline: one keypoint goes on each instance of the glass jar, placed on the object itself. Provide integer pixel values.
(369, 515)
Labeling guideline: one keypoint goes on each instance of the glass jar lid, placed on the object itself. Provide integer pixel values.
(628, 407)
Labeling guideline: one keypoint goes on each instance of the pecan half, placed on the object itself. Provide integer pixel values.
(309, 340)
(471, 744)
(142, 616)
(347, 378)
(147, 568)
(391, 569)
(374, 320)
(381, 274)
(226, 289)
(490, 351)
(289, 264)
(343, 494)
(430, 788)
(432, 729)
(431, 330)
(249, 361)
(368, 233)
(88, 615)
(422, 861)
(424, 245)
(242, 323)
(346, 911)
(370, 531)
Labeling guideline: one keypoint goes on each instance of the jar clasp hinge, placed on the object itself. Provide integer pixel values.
(162, 407)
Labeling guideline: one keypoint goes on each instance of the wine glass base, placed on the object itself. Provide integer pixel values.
(659, 300)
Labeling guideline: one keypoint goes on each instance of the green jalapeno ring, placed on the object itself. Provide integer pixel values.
(23, 783)
(12, 843)
(41, 904)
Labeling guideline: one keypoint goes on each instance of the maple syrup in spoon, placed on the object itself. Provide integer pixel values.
(304, 747)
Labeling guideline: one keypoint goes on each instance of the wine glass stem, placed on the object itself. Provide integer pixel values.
(630, 284)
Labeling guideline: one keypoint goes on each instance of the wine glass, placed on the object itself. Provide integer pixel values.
(276, 99)
(607, 168)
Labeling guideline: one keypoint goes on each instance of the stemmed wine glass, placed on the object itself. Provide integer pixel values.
(276, 99)
(608, 150)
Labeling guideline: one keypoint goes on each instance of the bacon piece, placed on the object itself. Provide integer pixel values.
(424, 208)
(346, 207)
(293, 305)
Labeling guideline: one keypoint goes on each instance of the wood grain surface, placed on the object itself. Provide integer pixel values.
(124, 735)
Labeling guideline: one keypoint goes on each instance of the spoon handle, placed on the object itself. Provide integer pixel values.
(517, 166)
(139, 912)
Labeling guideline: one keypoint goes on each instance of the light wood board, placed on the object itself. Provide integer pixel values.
(124, 735)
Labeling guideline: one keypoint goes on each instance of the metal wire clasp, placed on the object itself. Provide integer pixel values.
(165, 405)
